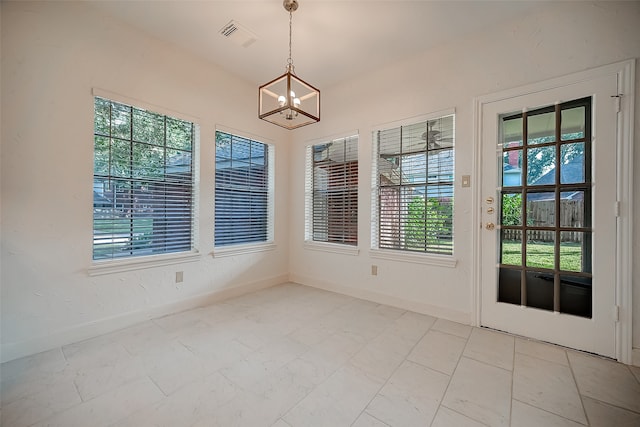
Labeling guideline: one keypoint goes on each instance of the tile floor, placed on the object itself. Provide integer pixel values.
(297, 356)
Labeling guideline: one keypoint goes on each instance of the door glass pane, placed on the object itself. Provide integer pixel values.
(575, 249)
(541, 163)
(512, 132)
(539, 290)
(509, 290)
(511, 245)
(575, 295)
(572, 209)
(572, 167)
(512, 168)
(573, 123)
(541, 249)
(541, 128)
(541, 209)
(511, 209)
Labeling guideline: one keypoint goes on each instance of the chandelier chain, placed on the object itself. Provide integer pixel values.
(290, 61)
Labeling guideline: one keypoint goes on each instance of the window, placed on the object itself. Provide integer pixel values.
(142, 182)
(332, 191)
(413, 187)
(244, 187)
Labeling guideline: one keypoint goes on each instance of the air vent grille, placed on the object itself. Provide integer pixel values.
(238, 34)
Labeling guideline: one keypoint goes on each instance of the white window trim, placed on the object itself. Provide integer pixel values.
(111, 266)
(336, 248)
(416, 258)
(449, 261)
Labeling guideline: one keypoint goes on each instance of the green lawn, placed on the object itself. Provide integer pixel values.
(122, 225)
(542, 255)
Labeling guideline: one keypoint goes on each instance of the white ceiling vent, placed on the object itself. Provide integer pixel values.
(238, 34)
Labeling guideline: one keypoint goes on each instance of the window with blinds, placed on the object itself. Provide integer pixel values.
(142, 182)
(332, 191)
(413, 187)
(244, 187)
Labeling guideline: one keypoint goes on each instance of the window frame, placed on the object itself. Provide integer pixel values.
(250, 247)
(100, 267)
(430, 258)
(310, 195)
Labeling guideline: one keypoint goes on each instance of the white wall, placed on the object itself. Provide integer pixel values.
(53, 54)
(553, 40)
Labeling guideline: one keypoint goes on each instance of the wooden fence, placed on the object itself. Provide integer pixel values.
(542, 214)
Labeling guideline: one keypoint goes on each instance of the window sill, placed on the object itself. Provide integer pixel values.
(331, 248)
(429, 259)
(242, 249)
(100, 268)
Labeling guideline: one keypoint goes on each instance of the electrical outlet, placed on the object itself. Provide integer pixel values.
(179, 276)
(374, 270)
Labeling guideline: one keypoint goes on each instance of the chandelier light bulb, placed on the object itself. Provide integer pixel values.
(282, 100)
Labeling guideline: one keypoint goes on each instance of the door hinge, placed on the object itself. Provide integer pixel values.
(617, 101)
(616, 208)
(615, 314)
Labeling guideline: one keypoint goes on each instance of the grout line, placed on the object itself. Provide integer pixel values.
(451, 377)
(552, 413)
(575, 381)
(396, 368)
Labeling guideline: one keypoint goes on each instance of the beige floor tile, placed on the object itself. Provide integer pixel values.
(438, 350)
(292, 356)
(336, 402)
(549, 352)
(448, 418)
(108, 408)
(548, 386)
(366, 420)
(382, 355)
(635, 370)
(412, 326)
(601, 414)
(31, 367)
(523, 415)
(606, 380)
(491, 347)
(453, 328)
(186, 406)
(481, 392)
(410, 397)
(39, 406)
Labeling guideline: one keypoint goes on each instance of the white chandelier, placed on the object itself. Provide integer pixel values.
(289, 101)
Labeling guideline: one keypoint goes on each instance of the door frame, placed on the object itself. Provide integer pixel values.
(625, 73)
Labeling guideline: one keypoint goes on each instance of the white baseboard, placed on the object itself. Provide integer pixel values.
(85, 331)
(415, 306)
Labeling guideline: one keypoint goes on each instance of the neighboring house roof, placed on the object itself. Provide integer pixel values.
(570, 173)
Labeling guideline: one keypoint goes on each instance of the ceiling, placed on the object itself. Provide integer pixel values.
(332, 40)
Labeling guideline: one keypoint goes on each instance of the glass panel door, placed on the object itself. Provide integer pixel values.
(545, 209)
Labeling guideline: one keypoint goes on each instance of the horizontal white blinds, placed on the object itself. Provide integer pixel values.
(242, 192)
(414, 183)
(143, 182)
(335, 191)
